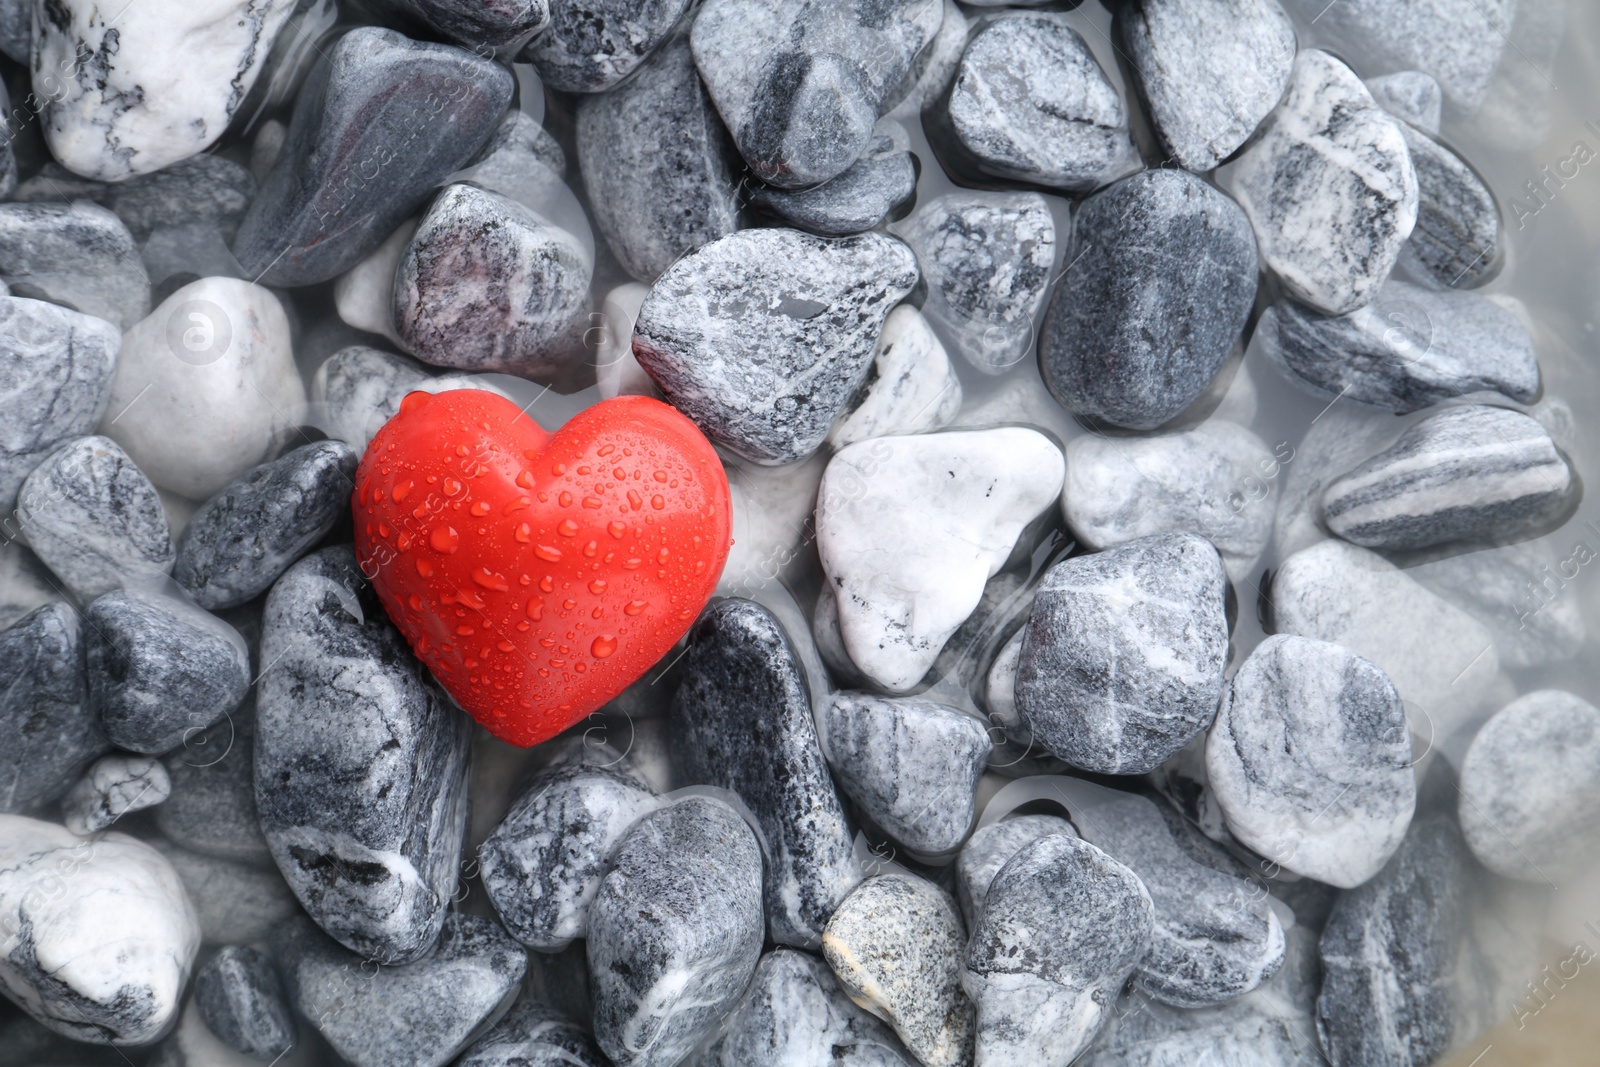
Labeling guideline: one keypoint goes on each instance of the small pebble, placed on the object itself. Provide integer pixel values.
(858, 199)
(1410, 96)
(364, 294)
(913, 387)
(591, 45)
(114, 786)
(360, 389)
(79, 255)
(51, 733)
(988, 849)
(242, 1002)
(533, 1035)
(1457, 238)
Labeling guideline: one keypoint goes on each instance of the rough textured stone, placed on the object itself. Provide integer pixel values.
(1410, 96)
(913, 387)
(114, 786)
(592, 45)
(483, 27)
(79, 254)
(242, 1002)
(206, 191)
(1457, 236)
(235, 902)
(988, 850)
(857, 199)
(533, 1035)
(51, 733)
(358, 389)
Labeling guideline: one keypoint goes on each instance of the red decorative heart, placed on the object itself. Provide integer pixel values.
(539, 576)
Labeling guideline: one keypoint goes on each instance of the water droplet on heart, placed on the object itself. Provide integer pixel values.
(505, 646)
(535, 609)
(547, 552)
(661, 557)
(568, 528)
(413, 401)
(568, 604)
(415, 601)
(548, 584)
(619, 474)
(597, 586)
(634, 607)
(480, 509)
(451, 487)
(383, 529)
(617, 529)
(659, 476)
(592, 548)
(465, 631)
(525, 479)
(635, 501)
(490, 580)
(523, 533)
(444, 539)
(565, 499)
(658, 502)
(603, 646)
(424, 568)
(401, 490)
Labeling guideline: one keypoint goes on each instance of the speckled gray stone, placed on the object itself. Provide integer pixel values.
(858, 199)
(1470, 472)
(1162, 278)
(212, 809)
(1062, 929)
(1310, 760)
(895, 945)
(360, 389)
(242, 539)
(116, 785)
(766, 366)
(76, 254)
(800, 87)
(1411, 96)
(1208, 70)
(534, 1035)
(207, 190)
(51, 734)
(911, 764)
(1519, 592)
(1408, 349)
(1122, 658)
(741, 720)
(988, 849)
(160, 669)
(542, 866)
(1457, 236)
(675, 932)
(235, 902)
(913, 388)
(242, 1002)
(412, 112)
(1029, 102)
(360, 763)
(55, 379)
(657, 164)
(94, 518)
(483, 27)
(591, 45)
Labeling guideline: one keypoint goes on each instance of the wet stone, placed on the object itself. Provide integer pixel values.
(1516, 592)
(988, 850)
(534, 1035)
(79, 254)
(1457, 236)
(592, 45)
(115, 785)
(236, 903)
(913, 387)
(207, 190)
(212, 809)
(858, 199)
(1410, 96)
(483, 27)
(51, 734)
(242, 1002)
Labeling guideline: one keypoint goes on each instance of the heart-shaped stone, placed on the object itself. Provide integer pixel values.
(538, 576)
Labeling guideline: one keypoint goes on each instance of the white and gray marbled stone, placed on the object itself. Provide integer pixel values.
(1329, 187)
(364, 294)
(482, 27)
(675, 932)
(241, 999)
(1161, 280)
(858, 199)
(100, 936)
(358, 389)
(78, 254)
(534, 1035)
(778, 351)
(116, 785)
(1208, 70)
(1468, 473)
(1411, 96)
(895, 945)
(913, 387)
(935, 66)
(1457, 240)
(989, 848)
(1122, 658)
(360, 764)
(592, 45)
(1310, 760)
(51, 733)
(236, 903)
(961, 500)
(1062, 929)
(212, 809)
(1519, 592)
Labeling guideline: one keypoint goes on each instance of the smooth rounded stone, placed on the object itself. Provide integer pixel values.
(794, 1014)
(986, 258)
(482, 27)
(1408, 349)
(895, 945)
(242, 539)
(1466, 473)
(412, 112)
(364, 294)
(1509, 590)
(1208, 71)
(1062, 928)
(740, 659)
(858, 199)
(1329, 187)
(617, 373)
(800, 87)
(1202, 481)
(360, 763)
(100, 935)
(1162, 280)
(212, 809)
(913, 388)
(78, 254)
(963, 500)
(235, 902)
(542, 865)
(1340, 438)
(1310, 760)
(1410, 96)
(767, 368)
(242, 1002)
(591, 45)
(51, 733)
(1122, 658)
(114, 786)
(1530, 788)
(160, 669)
(675, 931)
(55, 381)
(911, 764)
(988, 850)
(1457, 236)
(206, 386)
(94, 518)
(534, 1035)
(131, 110)
(657, 164)
(418, 1014)
(1030, 103)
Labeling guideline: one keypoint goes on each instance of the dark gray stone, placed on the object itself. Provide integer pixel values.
(679, 910)
(1122, 658)
(76, 254)
(360, 763)
(780, 350)
(51, 735)
(16, 29)
(242, 539)
(241, 1001)
(1457, 236)
(988, 849)
(534, 1035)
(206, 190)
(212, 809)
(591, 45)
(409, 111)
(483, 27)
(1162, 278)
(858, 199)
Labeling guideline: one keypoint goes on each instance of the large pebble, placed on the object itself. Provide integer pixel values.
(856, 200)
(51, 733)
(206, 192)
(25, 582)
(241, 999)
(115, 785)
(212, 809)
(1457, 238)
(988, 850)
(1161, 278)
(913, 387)
(78, 254)
(533, 1035)
(592, 45)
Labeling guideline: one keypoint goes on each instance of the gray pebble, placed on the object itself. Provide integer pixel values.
(25, 582)
(858, 199)
(116, 785)
(988, 849)
(51, 734)
(360, 389)
(1162, 278)
(591, 45)
(766, 367)
(235, 902)
(242, 1002)
(212, 809)
(1457, 237)
(1122, 659)
(1518, 593)
(1410, 96)
(935, 66)
(679, 910)
(483, 27)
(207, 190)
(534, 1035)
(76, 254)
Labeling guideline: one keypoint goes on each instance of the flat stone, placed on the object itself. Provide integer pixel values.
(1411, 96)
(913, 387)
(881, 179)
(115, 785)
(657, 164)
(1518, 593)
(1457, 237)
(592, 45)
(236, 903)
(52, 735)
(1208, 71)
(1310, 760)
(988, 850)
(1329, 187)
(212, 809)
(79, 254)
(534, 1035)
(1122, 658)
(484, 28)
(895, 945)
(675, 932)
(360, 764)
(740, 658)
(374, 103)
(242, 1002)
(1162, 279)
(767, 367)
